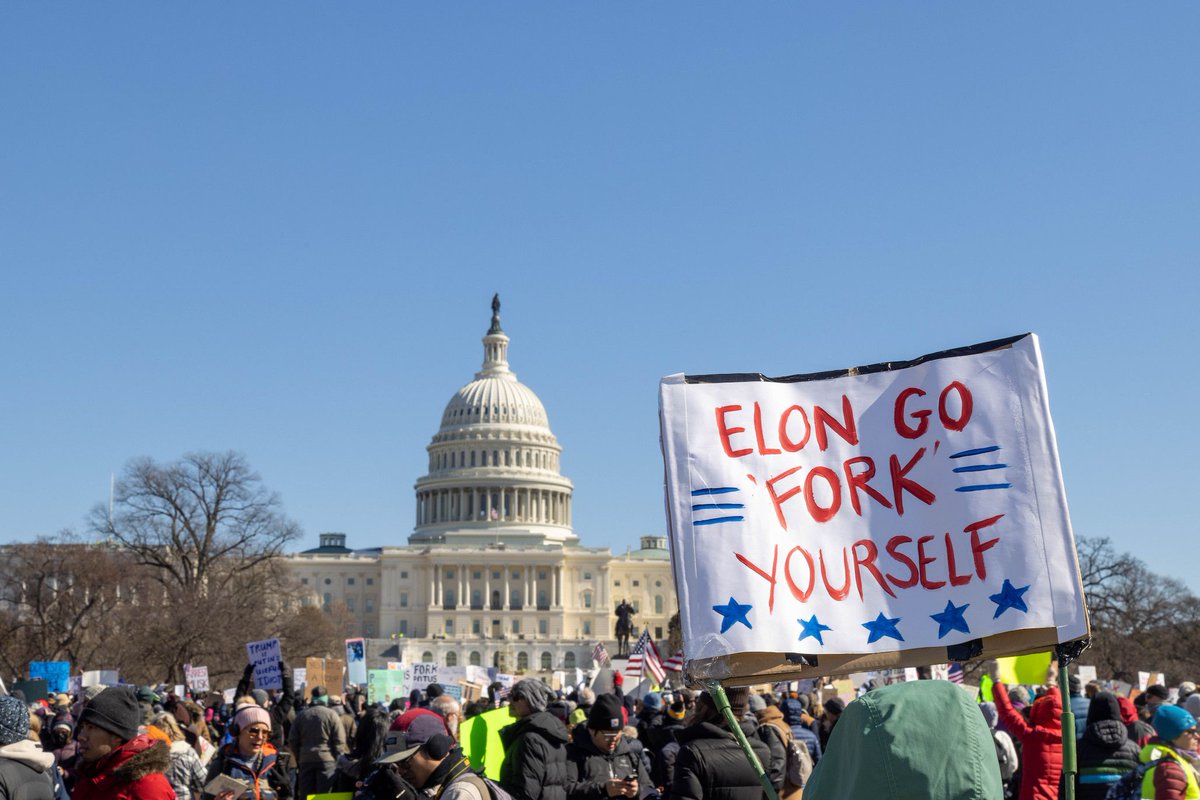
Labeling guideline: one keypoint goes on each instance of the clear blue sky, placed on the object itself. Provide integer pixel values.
(276, 228)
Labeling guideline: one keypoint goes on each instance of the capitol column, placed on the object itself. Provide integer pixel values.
(504, 604)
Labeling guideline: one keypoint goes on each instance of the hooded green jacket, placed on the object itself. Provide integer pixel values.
(923, 740)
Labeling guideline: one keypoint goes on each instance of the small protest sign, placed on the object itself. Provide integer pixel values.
(1086, 674)
(395, 665)
(356, 661)
(385, 685)
(197, 679)
(1143, 681)
(1027, 669)
(314, 675)
(873, 517)
(421, 674)
(180, 689)
(335, 675)
(266, 656)
(299, 677)
(56, 674)
(455, 690)
(939, 672)
(75, 684)
(451, 675)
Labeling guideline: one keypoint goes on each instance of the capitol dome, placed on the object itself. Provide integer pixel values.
(494, 462)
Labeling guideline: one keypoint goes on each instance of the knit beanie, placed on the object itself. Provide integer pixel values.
(606, 714)
(14, 720)
(1170, 721)
(260, 696)
(115, 710)
(247, 714)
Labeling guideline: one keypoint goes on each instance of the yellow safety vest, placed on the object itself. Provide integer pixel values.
(1153, 752)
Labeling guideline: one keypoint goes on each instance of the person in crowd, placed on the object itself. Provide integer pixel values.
(186, 773)
(1139, 730)
(449, 710)
(1041, 742)
(251, 757)
(349, 723)
(662, 766)
(1173, 751)
(710, 763)
(777, 735)
(1192, 704)
(1186, 690)
(1079, 704)
(1155, 695)
(793, 710)
(436, 767)
(316, 741)
(64, 748)
(1006, 750)
(535, 746)
(602, 764)
(119, 763)
(26, 771)
(772, 737)
(1106, 752)
(830, 714)
(432, 692)
(922, 739)
(649, 721)
(282, 707)
(369, 738)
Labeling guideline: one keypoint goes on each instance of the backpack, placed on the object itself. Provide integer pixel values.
(799, 764)
(487, 786)
(1005, 755)
(1130, 785)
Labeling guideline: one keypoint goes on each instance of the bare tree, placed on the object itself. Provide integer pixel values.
(201, 522)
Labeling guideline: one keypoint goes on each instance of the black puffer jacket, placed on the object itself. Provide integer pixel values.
(712, 766)
(1105, 751)
(589, 769)
(535, 758)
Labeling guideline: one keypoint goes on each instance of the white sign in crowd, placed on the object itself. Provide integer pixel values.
(875, 510)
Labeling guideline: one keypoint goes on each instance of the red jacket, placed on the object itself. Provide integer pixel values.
(1041, 742)
(134, 771)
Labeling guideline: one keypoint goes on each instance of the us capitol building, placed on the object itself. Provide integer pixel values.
(493, 574)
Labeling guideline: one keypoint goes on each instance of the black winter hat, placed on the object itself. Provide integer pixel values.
(115, 710)
(606, 714)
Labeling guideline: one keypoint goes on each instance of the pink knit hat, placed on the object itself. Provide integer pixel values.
(248, 714)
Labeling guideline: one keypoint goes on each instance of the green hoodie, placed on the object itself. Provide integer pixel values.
(924, 740)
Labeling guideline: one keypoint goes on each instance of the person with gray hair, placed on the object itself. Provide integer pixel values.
(448, 709)
(535, 746)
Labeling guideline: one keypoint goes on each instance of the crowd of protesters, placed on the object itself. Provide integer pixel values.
(926, 739)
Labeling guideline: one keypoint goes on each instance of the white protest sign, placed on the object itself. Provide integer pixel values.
(939, 672)
(179, 687)
(911, 674)
(197, 679)
(451, 676)
(1086, 674)
(478, 675)
(421, 674)
(299, 676)
(227, 694)
(266, 656)
(881, 510)
(356, 661)
(1143, 680)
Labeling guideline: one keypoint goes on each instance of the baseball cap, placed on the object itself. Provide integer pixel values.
(401, 745)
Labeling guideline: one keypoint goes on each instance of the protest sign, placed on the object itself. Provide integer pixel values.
(1086, 674)
(1143, 681)
(910, 674)
(454, 690)
(335, 675)
(197, 679)
(1028, 669)
(227, 695)
(356, 661)
(314, 671)
(100, 677)
(421, 674)
(75, 684)
(889, 515)
(479, 738)
(179, 689)
(56, 674)
(395, 665)
(266, 657)
(451, 675)
(299, 677)
(939, 672)
(385, 685)
(479, 675)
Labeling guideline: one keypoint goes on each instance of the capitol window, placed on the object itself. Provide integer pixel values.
(404, 599)
(475, 659)
(522, 662)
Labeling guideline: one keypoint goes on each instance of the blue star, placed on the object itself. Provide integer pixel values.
(1009, 597)
(733, 613)
(813, 628)
(883, 626)
(951, 619)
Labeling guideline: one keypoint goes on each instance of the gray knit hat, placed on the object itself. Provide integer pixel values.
(14, 720)
(115, 710)
(534, 691)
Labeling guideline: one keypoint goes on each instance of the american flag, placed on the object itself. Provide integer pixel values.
(645, 657)
(955, 675)
(599, 654)
(674, 663)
